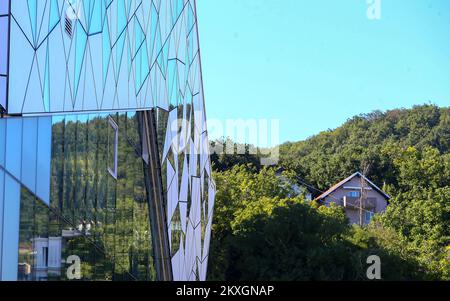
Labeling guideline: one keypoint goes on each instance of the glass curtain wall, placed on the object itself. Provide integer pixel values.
(98, 210)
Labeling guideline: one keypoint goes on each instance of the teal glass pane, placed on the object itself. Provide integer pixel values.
(54, 15)
(80, 50)
(106, 51)
(96, 16)
(33, 11)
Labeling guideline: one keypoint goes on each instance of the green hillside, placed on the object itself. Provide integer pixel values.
(374, 139)
(261, 232)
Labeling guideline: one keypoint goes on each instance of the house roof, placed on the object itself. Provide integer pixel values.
(337, 185)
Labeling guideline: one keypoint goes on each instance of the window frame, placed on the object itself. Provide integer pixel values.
(370, 214)
(354, 194)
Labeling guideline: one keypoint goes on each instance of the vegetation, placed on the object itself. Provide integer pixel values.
(262, 232)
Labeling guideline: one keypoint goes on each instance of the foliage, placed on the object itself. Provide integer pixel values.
(330, 156)
(261, 232)
(266, 235)
(238, 187)
(226, 154)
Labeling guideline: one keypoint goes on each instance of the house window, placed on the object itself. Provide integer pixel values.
(354, 194)
(113, 147)
(368, 216)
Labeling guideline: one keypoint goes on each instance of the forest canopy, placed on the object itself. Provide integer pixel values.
(262, 231)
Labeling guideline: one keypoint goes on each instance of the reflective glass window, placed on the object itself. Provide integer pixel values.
(29, 152)
(14, 146)
(11, 212)
(44, 158)
(2, 141)
(102, 220)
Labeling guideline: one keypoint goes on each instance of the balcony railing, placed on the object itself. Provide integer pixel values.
(354, 202)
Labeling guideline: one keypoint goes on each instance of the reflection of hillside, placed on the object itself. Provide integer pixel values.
(103, 220)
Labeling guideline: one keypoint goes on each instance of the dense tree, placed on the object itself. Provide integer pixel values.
(333, 155)
(262, 233)
(240, 186)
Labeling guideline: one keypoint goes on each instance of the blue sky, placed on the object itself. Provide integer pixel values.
(315, 63)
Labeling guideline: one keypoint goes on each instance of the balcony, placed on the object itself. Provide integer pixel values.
(353, 203)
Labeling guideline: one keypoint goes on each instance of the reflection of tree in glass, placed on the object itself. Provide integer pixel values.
(112, 215)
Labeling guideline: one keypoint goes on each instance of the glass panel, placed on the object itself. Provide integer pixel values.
(10, 229)
(3, 44)
(2, 182)
(29, 144)
(3, 91)
(44, 159)
(57, 163)
(80, 172)
(48, 245)
(2, 141)
(13, 146)
(4, 7)
(69, 152)
(113, 145)
(27, 237)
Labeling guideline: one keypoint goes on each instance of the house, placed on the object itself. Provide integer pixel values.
(351, 193)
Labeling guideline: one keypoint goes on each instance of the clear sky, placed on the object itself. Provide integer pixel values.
(315, 63)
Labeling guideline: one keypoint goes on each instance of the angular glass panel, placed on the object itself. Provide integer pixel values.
(54, 15)
(80, 50)
(97, 12)
(32, 11)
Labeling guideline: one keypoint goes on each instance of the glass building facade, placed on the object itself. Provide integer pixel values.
(104, 155)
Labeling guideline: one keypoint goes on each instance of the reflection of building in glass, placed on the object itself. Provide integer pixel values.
(103, 141)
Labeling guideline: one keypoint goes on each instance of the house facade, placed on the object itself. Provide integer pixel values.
(104, 155)
(360, 198)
